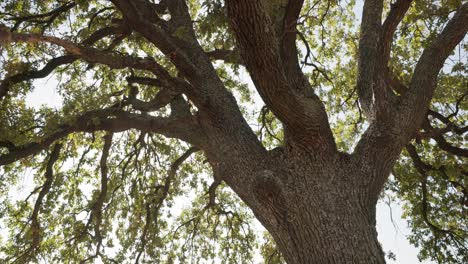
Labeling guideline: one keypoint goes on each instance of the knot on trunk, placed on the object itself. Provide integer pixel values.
(268, 190)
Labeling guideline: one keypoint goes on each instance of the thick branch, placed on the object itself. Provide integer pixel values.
(416, 100)
(177, 40)
(113, 120)
(113, 60)
(259, 48)
(289, 54)
(86, 53)
(218, 114)
(382, 142)
(144, 19)
(369, 55)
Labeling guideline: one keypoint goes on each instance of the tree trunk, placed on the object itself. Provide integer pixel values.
(321, 211)
(330, 237)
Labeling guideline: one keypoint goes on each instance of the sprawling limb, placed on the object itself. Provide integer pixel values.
(421, 89)
(54, 63)
(177, 40)
(229, 134)
(382, 142)
(88, 54)
(113, 120)
(303, 114)
(219, 116)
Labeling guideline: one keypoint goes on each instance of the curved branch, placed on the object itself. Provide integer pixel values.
(113, 120)
(444, 145)
(29, 75)
(259, 48)
(112, 60)
(55, 62)
(368, 59)
(88, 54)
(382, 142)
(394, 18)
(396, 15)
(416, 101)
(438, 134)
(161, 99)
(52, 15)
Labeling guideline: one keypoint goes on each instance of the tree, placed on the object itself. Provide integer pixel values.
(153, 109)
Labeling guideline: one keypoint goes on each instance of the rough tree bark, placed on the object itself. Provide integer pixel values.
(318, 203)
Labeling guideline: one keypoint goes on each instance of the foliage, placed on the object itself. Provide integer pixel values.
(158, 208)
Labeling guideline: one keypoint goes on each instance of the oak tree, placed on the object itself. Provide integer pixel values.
(162, 150)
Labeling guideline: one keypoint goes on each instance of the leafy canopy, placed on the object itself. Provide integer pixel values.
(131, 194)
